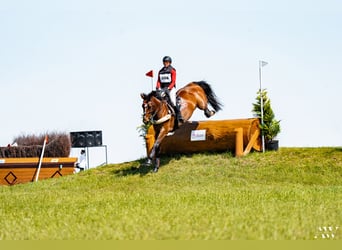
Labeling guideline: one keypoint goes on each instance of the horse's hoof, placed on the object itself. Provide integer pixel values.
(155, 170)
(148, 162)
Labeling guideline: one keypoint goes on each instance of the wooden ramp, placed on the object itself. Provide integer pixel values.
(239, 136)
(22, 170)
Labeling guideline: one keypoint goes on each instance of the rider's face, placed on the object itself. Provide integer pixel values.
(166, 64)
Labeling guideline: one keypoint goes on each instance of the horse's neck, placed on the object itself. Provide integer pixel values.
(162, 107)
(164, 110)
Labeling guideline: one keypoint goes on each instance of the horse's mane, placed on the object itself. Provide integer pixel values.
(155, 94)
(152, 93)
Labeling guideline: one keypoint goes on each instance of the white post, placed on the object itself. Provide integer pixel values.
(41, 158)
(87, 167)
(152, 83)
(262, 64)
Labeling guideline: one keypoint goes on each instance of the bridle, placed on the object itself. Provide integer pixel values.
(152, 117)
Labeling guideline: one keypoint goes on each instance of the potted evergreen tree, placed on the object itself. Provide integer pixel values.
(271, 126)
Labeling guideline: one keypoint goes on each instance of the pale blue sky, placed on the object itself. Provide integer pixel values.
(80, 65)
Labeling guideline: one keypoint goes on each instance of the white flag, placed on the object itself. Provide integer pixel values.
(263, 63)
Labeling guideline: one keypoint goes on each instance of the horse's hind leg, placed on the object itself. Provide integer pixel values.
(209, 113)
(203, 105)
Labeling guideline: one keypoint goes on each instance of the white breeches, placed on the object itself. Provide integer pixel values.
(173, 95)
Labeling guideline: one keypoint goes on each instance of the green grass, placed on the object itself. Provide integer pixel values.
(289, 194)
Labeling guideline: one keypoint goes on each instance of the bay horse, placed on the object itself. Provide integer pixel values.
(156, 111)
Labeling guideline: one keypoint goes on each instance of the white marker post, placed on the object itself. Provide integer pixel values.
(41, 158)
(262, 64)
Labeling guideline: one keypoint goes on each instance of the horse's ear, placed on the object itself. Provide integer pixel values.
(143, 96)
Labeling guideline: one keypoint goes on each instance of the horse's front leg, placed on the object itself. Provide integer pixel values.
(148, 161)
(154, 156)
(156, 164)
(156, 150)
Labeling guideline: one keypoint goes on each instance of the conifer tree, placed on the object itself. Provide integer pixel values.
(271, 126)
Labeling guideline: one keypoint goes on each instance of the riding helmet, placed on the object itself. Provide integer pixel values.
(167, 59)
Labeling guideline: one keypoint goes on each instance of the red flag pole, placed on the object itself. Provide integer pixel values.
(150, 74)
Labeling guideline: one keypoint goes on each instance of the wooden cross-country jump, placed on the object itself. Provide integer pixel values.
(239, 136)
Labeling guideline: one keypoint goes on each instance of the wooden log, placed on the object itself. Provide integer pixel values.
(22, 170)
(211, 136)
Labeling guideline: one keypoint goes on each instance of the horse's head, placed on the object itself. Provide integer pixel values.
(150, 106)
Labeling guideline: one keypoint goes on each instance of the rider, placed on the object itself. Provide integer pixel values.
(167, 82)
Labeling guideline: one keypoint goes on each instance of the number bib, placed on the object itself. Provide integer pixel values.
(165, 78)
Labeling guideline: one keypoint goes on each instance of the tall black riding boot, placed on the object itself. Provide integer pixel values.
(178, 114)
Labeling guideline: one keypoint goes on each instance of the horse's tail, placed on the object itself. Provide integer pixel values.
(212, 98)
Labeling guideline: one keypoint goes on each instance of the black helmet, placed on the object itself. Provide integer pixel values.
(167, 59)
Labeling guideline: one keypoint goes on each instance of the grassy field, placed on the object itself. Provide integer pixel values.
(295, 193)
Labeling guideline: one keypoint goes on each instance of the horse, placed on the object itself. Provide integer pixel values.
(156, 111)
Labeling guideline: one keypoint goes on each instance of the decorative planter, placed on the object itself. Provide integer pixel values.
(272, 145)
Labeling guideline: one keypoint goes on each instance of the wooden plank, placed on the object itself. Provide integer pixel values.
(239, 142)
(35, 160)
(251, 142)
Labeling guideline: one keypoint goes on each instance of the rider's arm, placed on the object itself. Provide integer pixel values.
(173, 79)
(158, 83)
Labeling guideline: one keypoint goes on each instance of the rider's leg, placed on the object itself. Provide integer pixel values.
(175, 104)
(172, 95)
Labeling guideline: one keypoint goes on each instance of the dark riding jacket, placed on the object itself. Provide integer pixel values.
(166, 78)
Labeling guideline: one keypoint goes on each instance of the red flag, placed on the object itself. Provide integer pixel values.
(150, 73)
